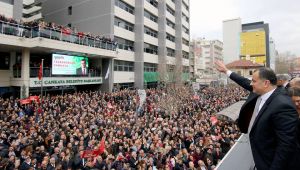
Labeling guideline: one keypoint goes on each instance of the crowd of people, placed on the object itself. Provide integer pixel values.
(44, 28)
(54, 133)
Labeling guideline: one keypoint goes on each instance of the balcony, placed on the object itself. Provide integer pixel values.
(54, 34)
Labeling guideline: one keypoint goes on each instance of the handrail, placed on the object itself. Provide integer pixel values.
(56, 34)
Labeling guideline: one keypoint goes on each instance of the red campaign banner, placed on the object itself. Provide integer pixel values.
(36, 98)
(213, 120)
(95, 152)
(25, 101)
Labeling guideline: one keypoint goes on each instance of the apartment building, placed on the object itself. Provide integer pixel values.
(25, 10)
(153, 35)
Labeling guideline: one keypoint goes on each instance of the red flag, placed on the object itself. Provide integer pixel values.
(40, 72)
(94, 153)
(213, 120)
(102, 147)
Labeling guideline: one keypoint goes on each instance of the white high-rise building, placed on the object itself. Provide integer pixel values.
(231, 39)
(25, 10)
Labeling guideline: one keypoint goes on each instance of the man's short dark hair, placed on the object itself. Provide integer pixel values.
(267, 74)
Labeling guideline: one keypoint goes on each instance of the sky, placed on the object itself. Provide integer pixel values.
(283, 16)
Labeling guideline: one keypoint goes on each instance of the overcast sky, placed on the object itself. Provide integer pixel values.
(283, 17)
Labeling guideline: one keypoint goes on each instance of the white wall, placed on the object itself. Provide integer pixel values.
(231, 40)
(4, 78)
(123, 77)
(6, 9)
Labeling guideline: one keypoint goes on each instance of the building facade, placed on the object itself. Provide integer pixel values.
(231, 39)
(153, 36)
(25, 10)
(255, 44)
(206, 52)
(246, 41)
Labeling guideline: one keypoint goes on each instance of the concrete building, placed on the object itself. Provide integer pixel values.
(153, 36)
(231, 39)
(206, 52)
(23, 48)
(25, 10)
(246, 41)
(255, 43)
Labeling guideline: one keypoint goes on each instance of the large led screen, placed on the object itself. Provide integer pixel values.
(69, 65)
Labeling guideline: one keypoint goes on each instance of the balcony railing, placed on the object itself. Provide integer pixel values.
(50, 33)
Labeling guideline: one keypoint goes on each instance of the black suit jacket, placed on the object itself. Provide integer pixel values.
(79, 71)
(273, 134)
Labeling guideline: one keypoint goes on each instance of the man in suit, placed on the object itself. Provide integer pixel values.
(83, 70)
(268, 116)
(283, 80)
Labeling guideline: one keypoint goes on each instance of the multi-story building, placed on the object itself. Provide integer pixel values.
(25, 10)
(246, 41)
(231, 39)
(206, 52)
(255, 43)
(153, 36)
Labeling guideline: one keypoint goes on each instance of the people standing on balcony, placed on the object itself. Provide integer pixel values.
(268, 117)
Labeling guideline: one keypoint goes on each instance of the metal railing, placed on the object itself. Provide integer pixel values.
(55, 34)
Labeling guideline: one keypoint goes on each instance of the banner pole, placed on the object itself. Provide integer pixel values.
(42, 80)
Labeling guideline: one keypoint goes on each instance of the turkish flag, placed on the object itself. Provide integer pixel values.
(94, 153)
(40, 72)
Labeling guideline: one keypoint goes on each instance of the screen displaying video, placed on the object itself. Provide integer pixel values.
(69, 65)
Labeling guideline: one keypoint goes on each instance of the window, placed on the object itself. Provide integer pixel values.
(123, 24)
(186, 30)
(70, 10)
(150, 32)
(170, 10)
(150, 67)
(170, 24)
(125, 44)
(250, 72)
(170, 68)
(150, 16)
(152, 49)
(185, 55)
(124, 6)
(170, 52)
(170, 37)
(120, 65)
(185, 17)
(4, 61)
(153, 2)
(185, 42)
(185, 69)
(185, 6)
